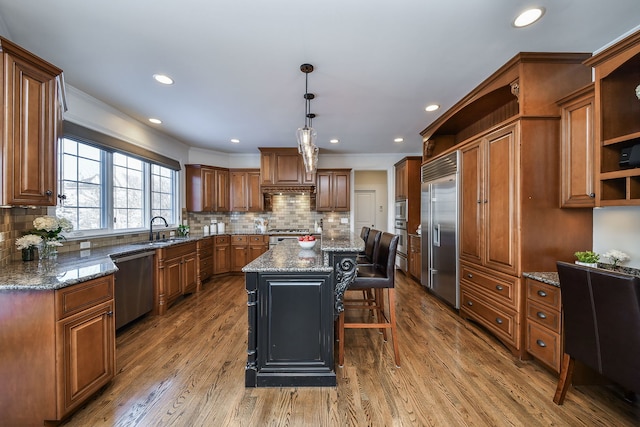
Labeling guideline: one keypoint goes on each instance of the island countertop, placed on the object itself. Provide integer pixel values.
(288, 256)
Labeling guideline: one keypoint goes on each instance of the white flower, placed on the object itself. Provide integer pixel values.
(28, 241)
(46, 223)
(638, 91)
(616, 256)
(52, 243)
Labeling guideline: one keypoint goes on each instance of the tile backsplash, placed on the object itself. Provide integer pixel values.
(289, 211)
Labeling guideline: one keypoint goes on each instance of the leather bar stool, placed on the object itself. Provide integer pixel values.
(379, 277)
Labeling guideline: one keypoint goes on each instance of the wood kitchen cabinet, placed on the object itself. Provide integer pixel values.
(205, 260)
(617, 124)
(333, 190)
(407, 173)
(32, 121)
(58, 350)
(221, 254)
(577, 166)
(245, 193)
(283, 167)
(544, 323)
(509, 134)
(245, 248)
(177, 271)
(207, 188)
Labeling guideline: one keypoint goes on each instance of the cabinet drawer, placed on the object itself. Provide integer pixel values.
(175, 251)
(239, 240)
(205, 262)
(259, 239)
(206, 252)
(497, 319)
(544, 294)
(74, 299)
(501, 288)
(221, 240)
(544, 345)
(547, 317)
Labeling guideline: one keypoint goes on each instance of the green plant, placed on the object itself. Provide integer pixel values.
(587, 256)
(183, 230)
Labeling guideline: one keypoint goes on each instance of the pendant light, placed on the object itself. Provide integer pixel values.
(306, 135)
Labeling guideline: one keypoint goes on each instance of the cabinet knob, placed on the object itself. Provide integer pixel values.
(469, 303)
(592, 195)
(541, 315)
(470, 276)
(541, 343)
(499, 321)
(48, 192)
(110, 313)
(542, 293)
(499, 287)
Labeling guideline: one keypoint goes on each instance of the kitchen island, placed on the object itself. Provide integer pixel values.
(293, 298)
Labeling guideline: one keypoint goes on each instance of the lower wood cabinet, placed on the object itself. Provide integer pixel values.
(221, 254)
(544, 323)
(493, 299)
(177, 273)
(245, 248)
(58, 349)
(205, 260)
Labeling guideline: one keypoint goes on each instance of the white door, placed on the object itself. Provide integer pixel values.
(365, 210)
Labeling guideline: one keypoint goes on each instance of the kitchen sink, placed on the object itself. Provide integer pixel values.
(163, 242)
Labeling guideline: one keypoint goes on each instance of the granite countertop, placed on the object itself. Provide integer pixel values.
(288, 256)
(74, 267)
(551, 277)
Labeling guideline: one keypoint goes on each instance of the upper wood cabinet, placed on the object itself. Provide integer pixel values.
(207, 188)
(283, 167)
(245, 194)
(32, 119)
(617, 124)
(407, 172)
(333, 190)
(577, 149)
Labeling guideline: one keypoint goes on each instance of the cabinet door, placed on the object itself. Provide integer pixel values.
(173, 278)
(287, 169)
(189, 267)
(208, 188)
(30, 134)
(501, 209)
(87, 343)
(577, 167)
(472, 203)
(222, 190)
(222, 259)
(238, 187)
(255, 199)
(324, 191)
(239, 255)
(341, 191)
(401, 182)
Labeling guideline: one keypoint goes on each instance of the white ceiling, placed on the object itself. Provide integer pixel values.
(236, 63)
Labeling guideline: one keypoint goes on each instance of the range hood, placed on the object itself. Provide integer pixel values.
(288, 189)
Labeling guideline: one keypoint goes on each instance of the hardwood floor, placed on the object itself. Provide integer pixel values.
(187, 369)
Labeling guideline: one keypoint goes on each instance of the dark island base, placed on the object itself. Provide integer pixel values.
(254, 379)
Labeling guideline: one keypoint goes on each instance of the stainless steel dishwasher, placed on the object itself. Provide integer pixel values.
(133, 286)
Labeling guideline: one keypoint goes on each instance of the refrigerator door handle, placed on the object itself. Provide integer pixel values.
(436, 235)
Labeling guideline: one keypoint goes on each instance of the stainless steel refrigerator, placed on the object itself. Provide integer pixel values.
(440, 218)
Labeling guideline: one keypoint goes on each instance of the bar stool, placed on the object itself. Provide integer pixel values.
(371, 243)
(379, 276)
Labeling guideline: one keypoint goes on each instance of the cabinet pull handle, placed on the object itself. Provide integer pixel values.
(541, 315)
(498, 321)
(469, 303)
(542, 293)
(541, 343)
(499, 287)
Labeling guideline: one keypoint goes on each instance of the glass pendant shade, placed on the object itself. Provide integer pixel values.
(306, 137)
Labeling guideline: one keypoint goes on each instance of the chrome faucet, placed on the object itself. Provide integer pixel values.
(166, 224)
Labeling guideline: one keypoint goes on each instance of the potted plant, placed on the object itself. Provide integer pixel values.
(587, 258)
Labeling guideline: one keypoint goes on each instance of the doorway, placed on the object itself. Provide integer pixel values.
(370, 200)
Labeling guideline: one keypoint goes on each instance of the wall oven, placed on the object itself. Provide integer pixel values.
(401, 210)
(400, 229)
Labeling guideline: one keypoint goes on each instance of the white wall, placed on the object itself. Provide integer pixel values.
(618, 228)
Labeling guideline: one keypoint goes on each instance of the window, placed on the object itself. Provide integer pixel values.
(104, 191)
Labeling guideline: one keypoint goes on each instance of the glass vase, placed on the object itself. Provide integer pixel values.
(47, 250)
(28, 254)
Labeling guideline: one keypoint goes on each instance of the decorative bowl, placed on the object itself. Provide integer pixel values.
(307, 244)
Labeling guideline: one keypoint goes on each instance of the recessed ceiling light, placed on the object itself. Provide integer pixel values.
(235, 140)
(398, 140)
(334, 141)
(164, 79)
(155, 121)
(528, 17)
(432, 107)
